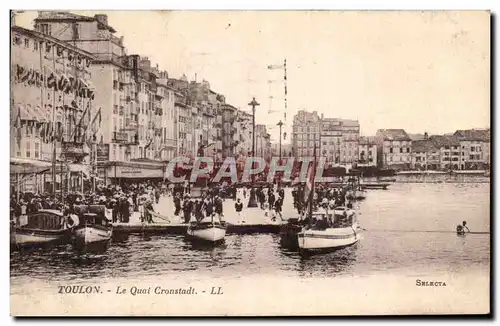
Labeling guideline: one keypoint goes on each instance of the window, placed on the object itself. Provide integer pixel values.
(35, 45)
(390, 150)
(472, 149)
(401, 150)
(408, 150)
(28, 149)
(46, 29)
(115, 127)
(26, 42)
(37, 150)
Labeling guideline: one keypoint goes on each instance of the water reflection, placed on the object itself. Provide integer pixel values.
(404, 207)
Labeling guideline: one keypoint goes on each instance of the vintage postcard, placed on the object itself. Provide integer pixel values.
(249, 163)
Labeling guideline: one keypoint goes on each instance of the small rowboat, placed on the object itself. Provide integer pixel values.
(93, 230)
(330, 231)
(211, 232)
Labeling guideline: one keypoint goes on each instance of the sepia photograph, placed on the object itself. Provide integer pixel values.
(250, 163)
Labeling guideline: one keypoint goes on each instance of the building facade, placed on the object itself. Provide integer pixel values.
(336, 139)
(127, 93)
(339, 140)
(229, 130)
(474, 148)
(425, 155)
(367, 150)
(305, 136)
(449, 151)
(262, 142)
(393, 149)
(52, 101)
(243, 136)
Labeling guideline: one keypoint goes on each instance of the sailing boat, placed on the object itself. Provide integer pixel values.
(328, 230)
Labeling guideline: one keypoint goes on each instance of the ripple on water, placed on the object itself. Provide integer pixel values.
(405, 207)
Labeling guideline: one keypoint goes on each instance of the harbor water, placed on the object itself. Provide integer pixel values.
(409, 231)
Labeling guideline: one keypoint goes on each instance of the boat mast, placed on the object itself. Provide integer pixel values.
(53, 131)
(313, 188)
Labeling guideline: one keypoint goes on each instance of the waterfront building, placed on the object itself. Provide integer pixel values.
(449, 151)
(475, 148)
(336, 139)
(305, 133)
(367, 150)
(52, 105)
(229, 130)
(425, 155)
(339, 140)
(201, 100)
(164, 147)
(243, 136)
(126, 92)
(393, 149)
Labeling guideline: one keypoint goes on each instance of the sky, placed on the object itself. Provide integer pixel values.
(420, 71)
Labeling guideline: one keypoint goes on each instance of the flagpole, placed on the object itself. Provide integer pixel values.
(54, 124)
(313, 188)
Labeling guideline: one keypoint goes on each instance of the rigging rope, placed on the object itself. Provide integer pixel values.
(422, 231)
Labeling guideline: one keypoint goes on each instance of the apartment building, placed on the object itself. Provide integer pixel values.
(393, 149)
(52, 102)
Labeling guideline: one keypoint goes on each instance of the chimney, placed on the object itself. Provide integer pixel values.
(103, 19)
(426, 136)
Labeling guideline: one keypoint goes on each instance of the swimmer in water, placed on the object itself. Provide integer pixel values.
(462, 228)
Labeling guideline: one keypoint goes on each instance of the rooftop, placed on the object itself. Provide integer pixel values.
(422, 146)
(441, 141)
(473, 134)
(54, 40)
(394, 134)
(64, 16)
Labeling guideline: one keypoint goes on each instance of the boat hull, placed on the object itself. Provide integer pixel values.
(34, 237)
(208, 233)
(329, 239)
(92, 234)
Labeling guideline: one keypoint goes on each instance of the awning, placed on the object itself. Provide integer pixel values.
(21, 165)
(80, 168)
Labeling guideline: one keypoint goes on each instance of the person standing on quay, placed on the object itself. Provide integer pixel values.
(187, 208)
(238, 206)
(278, 208)
(177, 204)
(271, 198)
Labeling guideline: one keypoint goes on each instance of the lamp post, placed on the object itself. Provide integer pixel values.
(280, 124)
(252, 202)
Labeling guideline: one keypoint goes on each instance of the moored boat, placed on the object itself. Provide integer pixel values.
(212, 231)
(93, 229)
(330, 231)
(43, 227)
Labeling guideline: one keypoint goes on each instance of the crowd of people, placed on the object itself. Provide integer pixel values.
(122, 201)
(324, 196)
